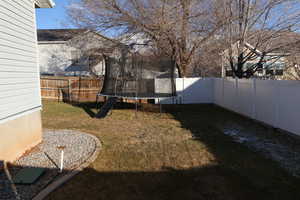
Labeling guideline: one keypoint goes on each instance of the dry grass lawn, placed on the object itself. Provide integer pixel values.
(181, 154)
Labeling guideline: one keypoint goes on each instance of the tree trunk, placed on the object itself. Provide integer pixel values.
(182, 70)
(240, 65)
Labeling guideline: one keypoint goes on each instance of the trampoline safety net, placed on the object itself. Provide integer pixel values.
(139, 76)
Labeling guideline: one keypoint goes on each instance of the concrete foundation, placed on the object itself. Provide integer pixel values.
(19, 135)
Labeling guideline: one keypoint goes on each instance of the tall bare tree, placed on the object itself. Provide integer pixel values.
(293, 68)
(262, 24)
(207, 61)
(177, 27)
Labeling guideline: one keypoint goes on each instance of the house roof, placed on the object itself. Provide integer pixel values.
(278, 43)
(51, 35)
(78, 36)
(44, 3)
(283, 42)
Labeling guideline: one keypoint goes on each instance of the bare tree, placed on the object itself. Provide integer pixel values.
(262, 26)
(207, 60)
(293, 68)
(178, 28)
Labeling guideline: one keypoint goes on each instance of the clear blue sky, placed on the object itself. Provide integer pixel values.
(52, 18)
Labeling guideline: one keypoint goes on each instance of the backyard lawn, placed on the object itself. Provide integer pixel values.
(181, 154)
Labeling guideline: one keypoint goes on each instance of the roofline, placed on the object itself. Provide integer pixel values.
(78, 35)
(252, 48)
(59, 41)
(96, 33)
(278, 54)
(44, 3)
(52, 42)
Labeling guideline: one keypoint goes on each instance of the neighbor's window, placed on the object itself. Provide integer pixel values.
(75, 56)
(275, 68)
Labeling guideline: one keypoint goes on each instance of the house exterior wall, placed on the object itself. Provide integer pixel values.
(20, 101)
(271, 59)
(57, 56)
(19, 135)
(54, 57)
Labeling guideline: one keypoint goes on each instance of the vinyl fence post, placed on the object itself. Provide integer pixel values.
(277, 103)
(182, 95)
(237, 100)
(223, 92)
(254, 98)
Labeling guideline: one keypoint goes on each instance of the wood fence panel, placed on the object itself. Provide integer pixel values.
(71, 89)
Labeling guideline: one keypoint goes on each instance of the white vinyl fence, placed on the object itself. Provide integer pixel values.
(191, 91)
(274, 102)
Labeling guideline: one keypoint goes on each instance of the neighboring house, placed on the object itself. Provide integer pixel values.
(276, 63)
(73, 52)
(137, 42)
(20, 99)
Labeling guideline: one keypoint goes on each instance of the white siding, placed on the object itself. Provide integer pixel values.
(19, 72)
(57, 56)
(54, 56)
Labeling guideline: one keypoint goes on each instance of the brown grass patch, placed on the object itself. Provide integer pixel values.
(181, 154)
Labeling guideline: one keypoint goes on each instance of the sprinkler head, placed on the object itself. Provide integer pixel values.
(61, 147)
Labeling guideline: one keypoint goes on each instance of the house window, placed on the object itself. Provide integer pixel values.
(75, 56)
(275, 68)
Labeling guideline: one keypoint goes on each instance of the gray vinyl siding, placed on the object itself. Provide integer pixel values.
(19, 72)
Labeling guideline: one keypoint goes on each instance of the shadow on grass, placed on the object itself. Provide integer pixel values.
(270, 181)
(91, 108)
(210, 182)
(198, 183)
(240, 174)
(192, 184)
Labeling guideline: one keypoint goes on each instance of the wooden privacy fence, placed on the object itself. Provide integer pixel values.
(70, 89)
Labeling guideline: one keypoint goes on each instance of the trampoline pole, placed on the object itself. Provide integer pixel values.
(136, 89)
(160, 108)
(136, 107)
(97, 101)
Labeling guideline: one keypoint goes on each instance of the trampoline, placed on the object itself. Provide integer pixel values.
(139, 77)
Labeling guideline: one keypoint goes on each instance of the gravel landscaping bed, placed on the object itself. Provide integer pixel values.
(79, 148)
